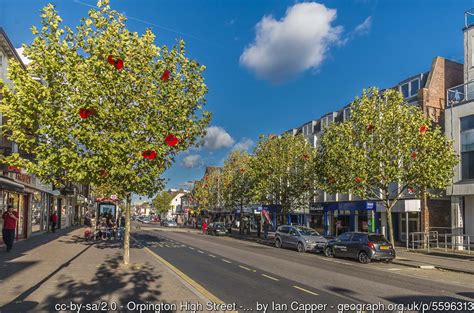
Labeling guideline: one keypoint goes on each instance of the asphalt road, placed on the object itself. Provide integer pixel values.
(250, 274)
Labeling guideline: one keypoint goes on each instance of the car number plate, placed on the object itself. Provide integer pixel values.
(384, 247)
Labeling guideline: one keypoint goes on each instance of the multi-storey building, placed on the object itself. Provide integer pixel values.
(337, 213)
(459, 125)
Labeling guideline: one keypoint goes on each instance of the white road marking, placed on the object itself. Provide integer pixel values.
(273, 278)
(305, 290)
(224, 260)
(394, 269)
(246, 268)
(191, 248)
(200, 251)
(212, 255)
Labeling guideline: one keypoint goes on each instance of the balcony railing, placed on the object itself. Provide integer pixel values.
(459, 94)
(469, 17)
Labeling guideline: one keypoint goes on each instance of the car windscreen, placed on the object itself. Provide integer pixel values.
(307, 231)
(377, 239)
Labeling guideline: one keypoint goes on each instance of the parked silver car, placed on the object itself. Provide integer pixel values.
(299, 237)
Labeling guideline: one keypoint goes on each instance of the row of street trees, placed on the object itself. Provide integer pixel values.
(384, 151)
(102, 105)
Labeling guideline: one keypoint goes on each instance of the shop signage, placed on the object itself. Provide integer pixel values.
(14, 169)
(24, 178)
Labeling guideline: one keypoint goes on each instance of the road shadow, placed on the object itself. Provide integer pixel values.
(427, 304)
(112, 283)
(467, 294)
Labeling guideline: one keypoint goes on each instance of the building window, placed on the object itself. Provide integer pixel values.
(467, 147)
(414, 87)
(410, 89)
(405, 90)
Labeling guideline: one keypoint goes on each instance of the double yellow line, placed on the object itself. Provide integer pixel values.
(198, 287)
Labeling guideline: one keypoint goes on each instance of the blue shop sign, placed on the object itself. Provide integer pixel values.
(350, 205)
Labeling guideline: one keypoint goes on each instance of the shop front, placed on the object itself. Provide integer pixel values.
(345, 216)
(12, 193)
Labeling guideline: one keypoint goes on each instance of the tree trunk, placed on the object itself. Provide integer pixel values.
(390, 226)
(126, 237)
(425, 216)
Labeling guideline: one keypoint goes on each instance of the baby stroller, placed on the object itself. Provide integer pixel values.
(88, 234)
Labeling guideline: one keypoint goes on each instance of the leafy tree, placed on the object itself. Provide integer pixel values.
(111, 109)
(283, 171)
(386, 149)
(162, 202)
(237, 182)
(207, 191)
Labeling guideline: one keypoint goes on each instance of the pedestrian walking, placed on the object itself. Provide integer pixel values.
(10, 218)
(266, 226)
(54, 221)
(204, 227)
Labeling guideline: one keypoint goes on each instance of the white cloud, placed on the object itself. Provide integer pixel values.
(22, 56)
(217, 138)
(187, 185)
(298, 42)
(192, 161)
(364, 27)
(244, 144)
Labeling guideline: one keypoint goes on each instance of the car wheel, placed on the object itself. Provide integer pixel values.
(329, 252)
(364, 257)
(388, 261)
(301, 247)
(278, 243)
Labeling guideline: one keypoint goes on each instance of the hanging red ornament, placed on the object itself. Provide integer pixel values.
(306, 157)
(205, 178)
(118, 63)
(171, 140)
(242, 170)
(358, 180)
(104, 173)
(149, 154)
(413, 155)
(166, 75)
(86, 113)
(423, 128)
(411, 191)
(370, 127)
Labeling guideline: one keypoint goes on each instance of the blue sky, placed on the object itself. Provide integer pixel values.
(274, 65)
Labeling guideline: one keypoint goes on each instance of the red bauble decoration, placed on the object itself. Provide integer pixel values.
(166, 75)
(413, 155)
(118, 63)
(358, 180)
(111, 60)
(149, 154)
(411, 191)
(423, 128)
(370, 127)
(171, 140)
(86, 113)
(104, 173)
(242, 170)
(306, 157)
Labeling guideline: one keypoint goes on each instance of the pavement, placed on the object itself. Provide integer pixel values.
(53, 272)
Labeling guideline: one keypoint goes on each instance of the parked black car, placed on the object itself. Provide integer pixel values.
(362, 246)
(217, 229)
